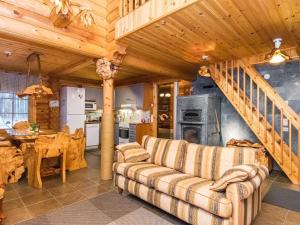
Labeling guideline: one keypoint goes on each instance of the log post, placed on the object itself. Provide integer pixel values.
(107, 70)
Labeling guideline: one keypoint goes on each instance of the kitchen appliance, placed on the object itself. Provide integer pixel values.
(72, 108)
(123, 133)
(198, 119)
(92, 131)
(90, 105)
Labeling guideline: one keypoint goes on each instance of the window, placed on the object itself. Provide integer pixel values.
(12, 109)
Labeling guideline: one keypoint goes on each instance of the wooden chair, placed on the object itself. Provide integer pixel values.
(75, 153)
(45, 148)
(4, 139)
(11, 170)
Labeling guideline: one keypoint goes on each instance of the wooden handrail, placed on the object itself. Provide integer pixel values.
(272, 94)
(257, 117)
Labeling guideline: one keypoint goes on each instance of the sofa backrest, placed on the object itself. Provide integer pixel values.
(210, 162)
(164, 152)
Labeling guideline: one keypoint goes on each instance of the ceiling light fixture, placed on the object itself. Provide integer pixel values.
(277, 56)
(35, 90)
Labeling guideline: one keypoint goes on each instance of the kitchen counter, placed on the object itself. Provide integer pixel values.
(93, 122)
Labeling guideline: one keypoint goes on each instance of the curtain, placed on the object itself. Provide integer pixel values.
(13, 83)
(12, 108)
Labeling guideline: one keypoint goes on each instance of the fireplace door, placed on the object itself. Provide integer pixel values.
(191, 133)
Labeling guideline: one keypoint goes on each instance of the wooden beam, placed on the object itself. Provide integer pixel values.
(155, 67)
(13, 27)
(72, 67)
(77, 81)
(139, 79)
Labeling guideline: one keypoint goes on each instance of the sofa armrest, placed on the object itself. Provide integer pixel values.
(119, 157)
(246, 188)
(246, 198)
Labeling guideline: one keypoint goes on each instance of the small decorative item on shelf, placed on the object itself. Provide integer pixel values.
(34, 128)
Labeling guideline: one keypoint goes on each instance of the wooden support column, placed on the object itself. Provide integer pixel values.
(107, 71)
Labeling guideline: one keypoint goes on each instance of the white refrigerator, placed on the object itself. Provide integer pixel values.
(72, 108)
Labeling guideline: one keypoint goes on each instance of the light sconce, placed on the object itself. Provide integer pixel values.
(277, 56)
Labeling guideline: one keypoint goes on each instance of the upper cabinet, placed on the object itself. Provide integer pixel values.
(137, 94)
(94, 94)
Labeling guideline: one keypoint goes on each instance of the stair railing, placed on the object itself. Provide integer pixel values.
(256, 101)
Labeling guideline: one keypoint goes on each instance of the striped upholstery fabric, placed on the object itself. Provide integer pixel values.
(185, 187)
(178, 208)
(235, 174)
(211, 162)
(195, 190)
(246, 209)
(246, 188)
(131, 152)
(165, 152)
(144, 173)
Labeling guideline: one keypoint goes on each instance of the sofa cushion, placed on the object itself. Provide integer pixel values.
(131, 152)
(165, 152)
(211, 162)
(181, 209)
(144, 173)
(195, 191)
(237, 173)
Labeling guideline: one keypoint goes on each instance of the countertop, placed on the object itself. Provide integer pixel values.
(92, 122)
(96, 122)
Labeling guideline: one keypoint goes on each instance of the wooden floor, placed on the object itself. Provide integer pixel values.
(23, 202)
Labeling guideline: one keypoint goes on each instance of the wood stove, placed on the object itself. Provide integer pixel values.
(198, 119)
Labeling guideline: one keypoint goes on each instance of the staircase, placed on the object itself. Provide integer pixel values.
(275, 123)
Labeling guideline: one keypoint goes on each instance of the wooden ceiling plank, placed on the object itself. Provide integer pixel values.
(72, 67)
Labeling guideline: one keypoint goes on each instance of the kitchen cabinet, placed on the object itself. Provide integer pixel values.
(138, 130)
(137, 94)
(94, 94)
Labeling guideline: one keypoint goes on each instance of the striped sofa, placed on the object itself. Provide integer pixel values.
(177, 179)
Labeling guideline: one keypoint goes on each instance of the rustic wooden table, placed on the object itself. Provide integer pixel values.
(28, 136)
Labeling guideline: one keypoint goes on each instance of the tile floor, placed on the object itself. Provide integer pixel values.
(23, 202)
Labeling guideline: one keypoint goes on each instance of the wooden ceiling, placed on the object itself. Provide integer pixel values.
(221, 29)
(169, 47)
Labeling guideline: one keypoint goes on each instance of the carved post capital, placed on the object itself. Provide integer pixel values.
(105, 69)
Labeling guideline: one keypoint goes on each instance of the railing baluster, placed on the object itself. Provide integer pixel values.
(136, 4)
(251, 99)
(273, 126)
(226, 78)
(232, 78)
(266, 116)
(258, 108)
(131, 6)
(238, 81)
(281, 135)
(298, 154)
(290, 146)
(244, 81)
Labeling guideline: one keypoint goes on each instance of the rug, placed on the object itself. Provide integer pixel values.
(107, 209)
(284, 198)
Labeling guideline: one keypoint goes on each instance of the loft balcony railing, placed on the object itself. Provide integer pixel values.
(135, 14)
